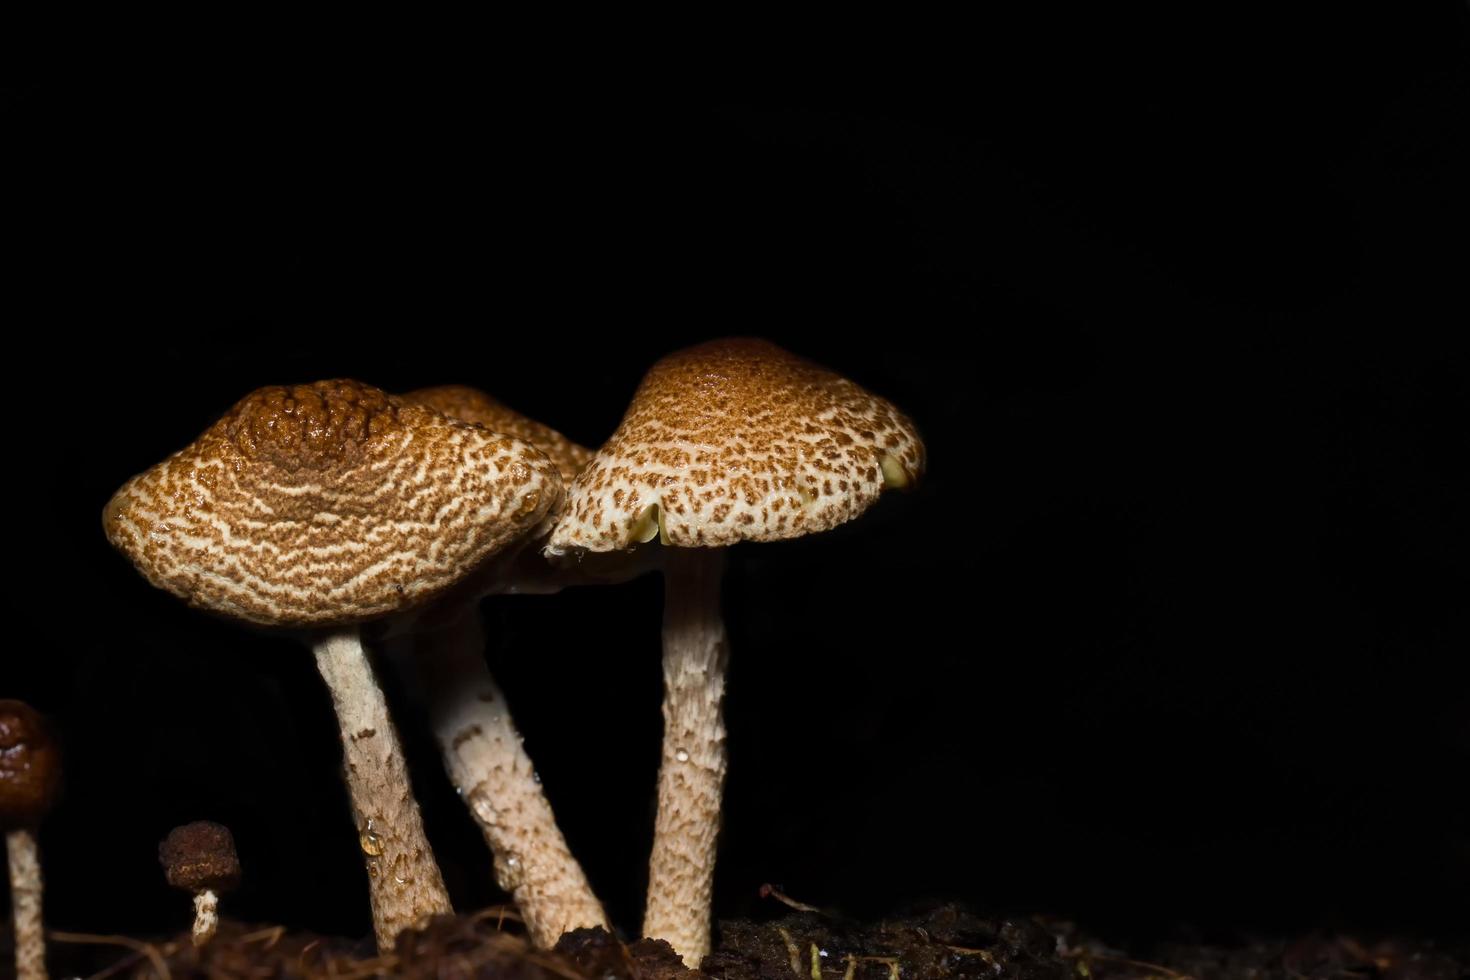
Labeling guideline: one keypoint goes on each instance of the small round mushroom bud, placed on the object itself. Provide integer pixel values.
(30, 779)
(200, 858)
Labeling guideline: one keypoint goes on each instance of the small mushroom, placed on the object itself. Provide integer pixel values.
(30, 779)
(733, 440)
(317, 508)
(200, 858)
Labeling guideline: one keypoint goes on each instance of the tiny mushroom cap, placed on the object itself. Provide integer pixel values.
(473, 405)
(328, 504)
(30, 766)
(200, 857)
(738, 440)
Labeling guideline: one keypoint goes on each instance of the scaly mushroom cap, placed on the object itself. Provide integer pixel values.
(738, 440)
(200, 856)
(327, 504)
(30, 766)
(473, 405)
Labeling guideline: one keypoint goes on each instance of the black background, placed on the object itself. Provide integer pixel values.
(1173, 632)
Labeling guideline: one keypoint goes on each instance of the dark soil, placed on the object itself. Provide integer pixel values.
(945, 943)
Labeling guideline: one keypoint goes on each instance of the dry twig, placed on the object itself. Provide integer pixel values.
(771, 891)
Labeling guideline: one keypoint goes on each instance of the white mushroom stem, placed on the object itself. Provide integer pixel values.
(25, 904)
(403, 878)
(206, 916)
(486, 761)
(692, 774)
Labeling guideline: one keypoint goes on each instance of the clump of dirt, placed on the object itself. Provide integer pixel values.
(601, 956)
(1314, 957)
(945, 943)
(449, 947)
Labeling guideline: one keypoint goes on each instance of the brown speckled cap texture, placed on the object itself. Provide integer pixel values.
(738, 440)
(199, 856)
(473, 405)
(30, 766)
(328, 504)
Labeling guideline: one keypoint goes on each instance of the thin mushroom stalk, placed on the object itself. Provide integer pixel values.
(25, 903)
(30, 779)
(485, 759)
(206, 918)
(692, 773)
(404, 881)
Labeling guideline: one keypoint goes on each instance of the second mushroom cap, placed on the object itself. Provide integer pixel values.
(738, 440)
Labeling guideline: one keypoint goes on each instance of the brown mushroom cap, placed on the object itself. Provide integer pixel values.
(328, 504)
(738, 440)
(200, 857)
(473, 405)
(30, 766)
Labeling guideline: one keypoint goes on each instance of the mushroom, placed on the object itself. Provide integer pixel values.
(733, 440)
(482, 750)
(318, 508)
(30, 778)
(200, 858)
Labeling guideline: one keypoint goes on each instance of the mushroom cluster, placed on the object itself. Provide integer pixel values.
(317, 508)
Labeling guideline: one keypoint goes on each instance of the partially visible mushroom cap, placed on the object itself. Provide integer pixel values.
(30, 766)
(738, 440)
(328, 504)
(473, 405)
(200, 857)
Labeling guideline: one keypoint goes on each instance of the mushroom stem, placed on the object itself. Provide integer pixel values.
(486, 761)
(206, 916)
(692, 774)
(403, 878)
(25, 904)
